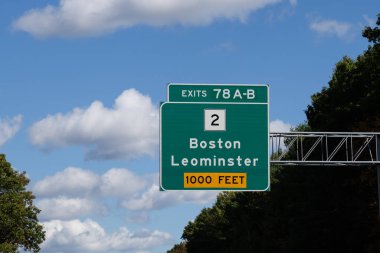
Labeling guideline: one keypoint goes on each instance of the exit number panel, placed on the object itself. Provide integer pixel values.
(217, 93)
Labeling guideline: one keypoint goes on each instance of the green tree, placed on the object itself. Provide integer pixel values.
(178, 248)
(373, 34)
(208, 231)
(19, 227)
(235, 223)
(351, 101)
(334, 209)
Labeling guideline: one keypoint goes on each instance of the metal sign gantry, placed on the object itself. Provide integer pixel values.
(325, 148)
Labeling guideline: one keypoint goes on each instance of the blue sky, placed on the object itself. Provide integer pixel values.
(81, 82)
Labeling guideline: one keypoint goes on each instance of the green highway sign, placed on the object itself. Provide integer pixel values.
(217, 144)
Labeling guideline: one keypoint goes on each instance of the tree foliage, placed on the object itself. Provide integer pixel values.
(351, 102)
(19, 227)
(178, 248)
(373, 34)
(207, 232)
(309, 209)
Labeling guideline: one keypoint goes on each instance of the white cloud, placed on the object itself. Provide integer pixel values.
(9, 127)
(73, 18)
(89, 236)
(121, 182)
(154, 199)
(75, 193)
(78, 182)
(64, 208)
(134, 192)
(331, 27)
(128, 130)
(70, 182)
(279, 126)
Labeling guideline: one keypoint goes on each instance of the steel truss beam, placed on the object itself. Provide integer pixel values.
(324, 148)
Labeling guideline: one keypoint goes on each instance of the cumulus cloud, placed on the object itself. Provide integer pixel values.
(128, 130)
(79, 182)
(279, 126)
(69, 182)
(132, 191)
(89, 236)
(9, 127)
(65, 208)
(152, 198)
(121, 182)
(75, 18)
(330, 27)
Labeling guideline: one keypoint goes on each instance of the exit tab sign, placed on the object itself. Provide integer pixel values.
(215, 137)
(217, 93)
